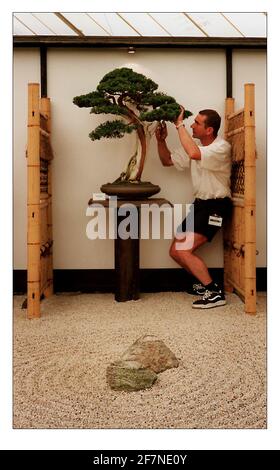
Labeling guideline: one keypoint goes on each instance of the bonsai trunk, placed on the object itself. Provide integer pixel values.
(135, 165)
(143, 142)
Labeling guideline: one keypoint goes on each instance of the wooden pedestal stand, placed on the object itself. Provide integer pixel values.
(127, 251)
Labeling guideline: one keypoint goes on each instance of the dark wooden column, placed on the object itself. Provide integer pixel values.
(229, 71)
(43, 69)
(127, 269)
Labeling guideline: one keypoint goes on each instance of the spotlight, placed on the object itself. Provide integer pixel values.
(131, 50)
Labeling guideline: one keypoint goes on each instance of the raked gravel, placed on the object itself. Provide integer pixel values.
(60, 363)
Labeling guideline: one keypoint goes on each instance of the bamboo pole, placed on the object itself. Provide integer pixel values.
(236, 113)
(238, 289)
(44, 196)
(45, 116)
(45, 133)
(250, 199)
(236, 131)
(238, 201)
(33, 202)
(45, 109)
(229, 109)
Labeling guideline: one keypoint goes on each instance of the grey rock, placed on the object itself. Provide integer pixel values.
(152, 353)
(129, 376)
(138, 367)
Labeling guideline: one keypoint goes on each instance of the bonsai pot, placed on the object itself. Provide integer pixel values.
(128, 190)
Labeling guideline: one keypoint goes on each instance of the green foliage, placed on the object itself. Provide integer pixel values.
(157, 99)
(126, 81)
(166, 112)
(109, 109)
(112, 129)
(129, 94)
(95, 98)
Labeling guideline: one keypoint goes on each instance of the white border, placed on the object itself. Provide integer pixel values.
(143, 439)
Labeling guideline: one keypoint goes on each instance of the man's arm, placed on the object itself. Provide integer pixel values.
(187, 141)
(163, 151)
(188, 144)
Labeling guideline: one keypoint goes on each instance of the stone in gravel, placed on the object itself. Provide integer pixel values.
(129, 376)
(151, 353)
(138, 366)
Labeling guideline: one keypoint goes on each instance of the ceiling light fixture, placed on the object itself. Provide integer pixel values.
(131, 50)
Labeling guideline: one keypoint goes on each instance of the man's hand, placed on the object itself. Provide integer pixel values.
(180, 118)
(161, 131)
(163, 151)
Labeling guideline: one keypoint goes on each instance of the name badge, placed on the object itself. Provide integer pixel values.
(215, 220)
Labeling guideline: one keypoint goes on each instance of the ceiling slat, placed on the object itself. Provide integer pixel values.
(19, 28)
(196, 24)
(27, 27)
(160, 25)
(44, 24)
(250, 23)
(68, 23)
(130, 25)
(231, 23)
(98, 24)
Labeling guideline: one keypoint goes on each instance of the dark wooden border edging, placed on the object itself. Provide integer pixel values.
(103, 280)
(122, 41)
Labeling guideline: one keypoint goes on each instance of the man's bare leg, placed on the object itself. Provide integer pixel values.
(187, 259)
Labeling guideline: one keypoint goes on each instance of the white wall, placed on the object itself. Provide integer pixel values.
(196, 78)
(253, 70)
(26, 69)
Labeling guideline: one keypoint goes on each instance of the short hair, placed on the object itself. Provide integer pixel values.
(213, 119)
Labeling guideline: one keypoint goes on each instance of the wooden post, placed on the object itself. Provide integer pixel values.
(250, 199)
(229, 110)
(127, 265)
(33, 203)
(46, 110)
(227, 250)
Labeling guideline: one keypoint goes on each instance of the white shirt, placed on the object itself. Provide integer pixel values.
(211, 174)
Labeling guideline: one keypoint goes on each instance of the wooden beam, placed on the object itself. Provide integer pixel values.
(138, 41)
(69, 24)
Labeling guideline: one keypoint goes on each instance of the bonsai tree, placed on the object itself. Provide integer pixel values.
(133, 98)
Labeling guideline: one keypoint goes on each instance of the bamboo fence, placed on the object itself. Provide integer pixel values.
(240, 231)
(39, 202)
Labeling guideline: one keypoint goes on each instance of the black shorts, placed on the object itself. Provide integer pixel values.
(197, 220)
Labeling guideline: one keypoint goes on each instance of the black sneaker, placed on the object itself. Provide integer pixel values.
(198, 289)
(210, 299)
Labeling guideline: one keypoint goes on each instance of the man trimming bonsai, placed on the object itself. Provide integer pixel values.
(210, 165)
